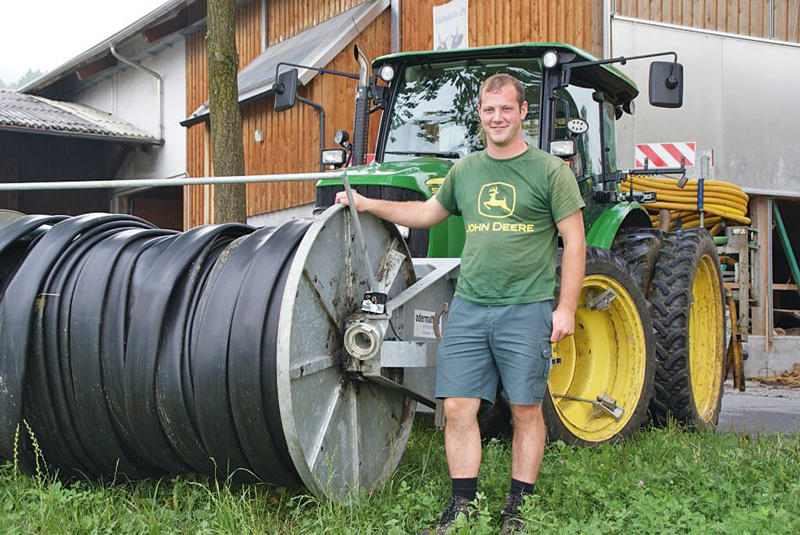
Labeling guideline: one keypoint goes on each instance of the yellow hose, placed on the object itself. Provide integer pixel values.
(722, 201)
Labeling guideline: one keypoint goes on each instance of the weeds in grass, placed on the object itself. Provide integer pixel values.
(661, 481)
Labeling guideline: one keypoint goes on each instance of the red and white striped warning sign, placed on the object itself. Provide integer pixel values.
(661, 155)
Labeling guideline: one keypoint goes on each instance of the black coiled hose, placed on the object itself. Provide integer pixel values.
(129, 350)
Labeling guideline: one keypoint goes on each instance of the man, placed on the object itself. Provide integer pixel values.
(514, 200)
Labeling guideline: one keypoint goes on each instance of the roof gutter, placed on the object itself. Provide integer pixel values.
(48, 78)
(159, 82)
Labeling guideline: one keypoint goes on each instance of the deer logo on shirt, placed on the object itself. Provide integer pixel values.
(494, 201)
(497, 200)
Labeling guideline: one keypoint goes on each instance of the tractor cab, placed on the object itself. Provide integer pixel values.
(430, 119)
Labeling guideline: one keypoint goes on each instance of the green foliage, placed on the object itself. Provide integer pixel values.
(663, 481)
(29, 76)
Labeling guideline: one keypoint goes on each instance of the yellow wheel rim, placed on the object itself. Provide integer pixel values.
(605, 357)
(705, 339)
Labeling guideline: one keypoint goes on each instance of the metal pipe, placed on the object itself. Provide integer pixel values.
(772, 19)
(159, 81)
(787, 245)
(162, 182)
(396, 22)
(361, 120)
(263, 25)
(321, 111)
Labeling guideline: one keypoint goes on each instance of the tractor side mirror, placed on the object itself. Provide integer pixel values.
(666, 84)
(286, 90)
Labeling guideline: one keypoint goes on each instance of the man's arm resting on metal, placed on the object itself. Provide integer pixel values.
(573, 263)
(412, 214)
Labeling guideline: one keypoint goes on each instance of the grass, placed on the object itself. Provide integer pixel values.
(661, 481)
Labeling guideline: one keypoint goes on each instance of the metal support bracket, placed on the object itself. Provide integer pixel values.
(600, 301)
(602, 405)
(416, 396)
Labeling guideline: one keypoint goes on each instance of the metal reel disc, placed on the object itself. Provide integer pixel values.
(342, 432)
(8, 216)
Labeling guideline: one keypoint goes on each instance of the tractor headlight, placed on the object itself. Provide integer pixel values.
(550, 59)
(334, 157)
(565, 148)
(386, 73)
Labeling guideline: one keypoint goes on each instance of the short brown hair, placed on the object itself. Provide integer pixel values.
(496, 82)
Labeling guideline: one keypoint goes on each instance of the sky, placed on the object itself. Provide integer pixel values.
(43, 34)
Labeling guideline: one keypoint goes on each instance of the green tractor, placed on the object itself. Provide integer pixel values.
(650, 326)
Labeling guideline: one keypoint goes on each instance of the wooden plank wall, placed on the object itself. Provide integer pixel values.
(493, 22)
(196, 199)
(293, 135)
(286, 18)
(744, 17)
(291, 138)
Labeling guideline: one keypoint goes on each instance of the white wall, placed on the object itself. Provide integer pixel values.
(740, 99)
(132, 96)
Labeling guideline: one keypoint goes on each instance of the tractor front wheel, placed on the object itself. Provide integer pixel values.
(601, 380)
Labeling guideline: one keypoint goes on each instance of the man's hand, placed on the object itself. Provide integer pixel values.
(360, 201)
(411, 214)
(563, 324)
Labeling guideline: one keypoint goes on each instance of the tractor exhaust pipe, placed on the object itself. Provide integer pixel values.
(361, 120)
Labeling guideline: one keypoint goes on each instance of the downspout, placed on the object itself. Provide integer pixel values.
(159, 81)
(395, 25)
(609, 9)
(263, 25)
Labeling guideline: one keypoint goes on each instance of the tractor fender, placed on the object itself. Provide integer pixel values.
(605, 226)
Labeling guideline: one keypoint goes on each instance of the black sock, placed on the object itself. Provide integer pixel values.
(520, 488)
(465, 487)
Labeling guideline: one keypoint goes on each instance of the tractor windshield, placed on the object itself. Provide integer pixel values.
(436, 109)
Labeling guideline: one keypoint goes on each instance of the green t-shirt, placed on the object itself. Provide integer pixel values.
(510, 209)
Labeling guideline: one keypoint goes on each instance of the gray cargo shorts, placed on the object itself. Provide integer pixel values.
(483, 343)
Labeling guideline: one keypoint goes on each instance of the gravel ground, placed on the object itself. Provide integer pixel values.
(760, 409)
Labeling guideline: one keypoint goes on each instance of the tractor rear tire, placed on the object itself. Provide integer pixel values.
(639, 247)
(611, 354)
(687, 306)
(494, 421)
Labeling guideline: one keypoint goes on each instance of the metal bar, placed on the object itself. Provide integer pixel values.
(444, 268)
(161, 182)
(778, 194)
(373, 284)
(787, 246)
(736, 348)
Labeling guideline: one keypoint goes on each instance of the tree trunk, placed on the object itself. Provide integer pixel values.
(227, 149)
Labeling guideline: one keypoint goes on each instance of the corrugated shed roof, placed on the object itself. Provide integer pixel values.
(19, 111)
(315, 47)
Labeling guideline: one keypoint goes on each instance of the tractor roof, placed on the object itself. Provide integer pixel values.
(616, 85)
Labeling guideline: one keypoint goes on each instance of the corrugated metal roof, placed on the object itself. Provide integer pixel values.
(19, 111)
(315, 47)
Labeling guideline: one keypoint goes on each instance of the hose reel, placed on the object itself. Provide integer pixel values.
(131, 350)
